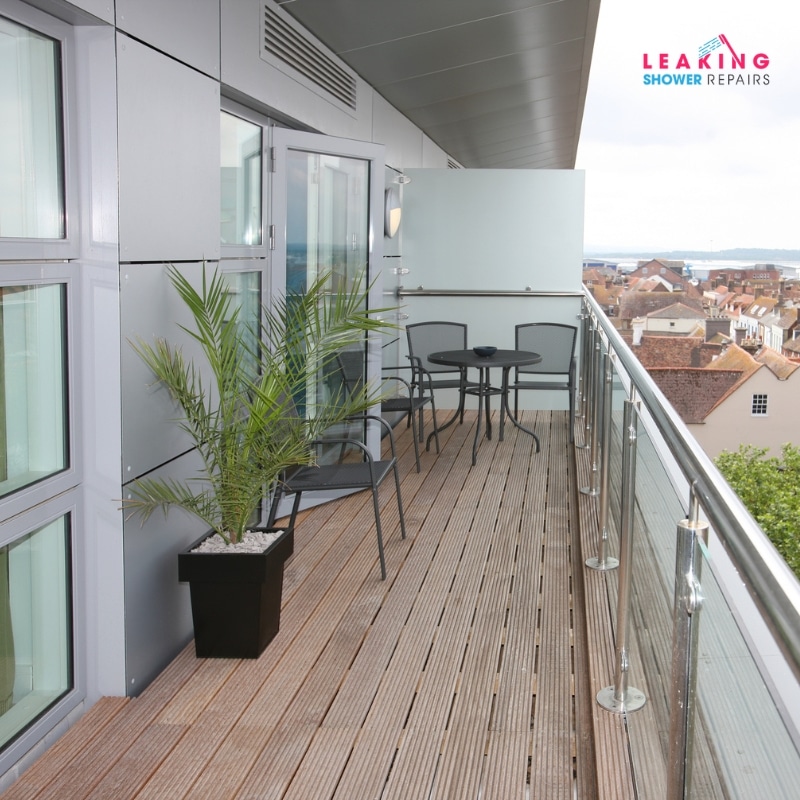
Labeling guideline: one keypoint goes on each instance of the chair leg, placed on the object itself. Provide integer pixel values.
(414, 437)
(399, 501)
(276, 499)
(571, 391)
(378, 531)
(435, 426)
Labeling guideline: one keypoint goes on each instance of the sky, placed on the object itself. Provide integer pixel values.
(697, 167)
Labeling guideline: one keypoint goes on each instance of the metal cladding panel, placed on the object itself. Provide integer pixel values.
(480, 107)
(472, 78)
(169, 140)
(445, 63)
(150, 307)
(477, 43)
(348, 25)
(187, 30)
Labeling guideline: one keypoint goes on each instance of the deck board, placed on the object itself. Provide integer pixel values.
(466, 674)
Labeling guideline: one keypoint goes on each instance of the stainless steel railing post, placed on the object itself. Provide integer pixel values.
(592, 335)
(580, 401)
(685, 628)
(622, 698)
(603, 561)
(593, 488)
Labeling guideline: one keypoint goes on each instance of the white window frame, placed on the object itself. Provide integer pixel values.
(48, 261)
(759, 405)
(14, 249)
(257, 251)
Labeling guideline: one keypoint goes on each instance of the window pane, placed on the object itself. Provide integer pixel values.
(240, 181)
(35, 650)
(245, 290)
(32, 384)
(31, 162)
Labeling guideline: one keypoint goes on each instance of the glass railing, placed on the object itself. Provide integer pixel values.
(708, 614)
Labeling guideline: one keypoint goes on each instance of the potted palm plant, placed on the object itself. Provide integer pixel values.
(239, 409)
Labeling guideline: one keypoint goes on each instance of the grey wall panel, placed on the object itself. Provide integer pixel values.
(101, 9)
(158, 621)
(433, 157)
(402, 138)
(150, 308)
(169, 174)
(188, 30)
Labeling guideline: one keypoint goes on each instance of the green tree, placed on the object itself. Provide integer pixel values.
(770, 488)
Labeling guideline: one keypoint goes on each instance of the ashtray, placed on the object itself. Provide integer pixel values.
(484, 352)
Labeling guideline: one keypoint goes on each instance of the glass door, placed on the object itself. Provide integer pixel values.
(327, 219)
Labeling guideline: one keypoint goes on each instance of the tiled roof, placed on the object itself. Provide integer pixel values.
(675, 352)
(694, 392)
(676, 311)
(605, 295)
(779, 365)
(733, 357)
(788, 318)
(760, 306)
(793, 346)
(640, 304)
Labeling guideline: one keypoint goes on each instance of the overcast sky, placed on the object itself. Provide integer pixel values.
(705, 167)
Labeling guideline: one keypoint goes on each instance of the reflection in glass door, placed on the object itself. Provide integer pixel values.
(326, 234)
(326, 194)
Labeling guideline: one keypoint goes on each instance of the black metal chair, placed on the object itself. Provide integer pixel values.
(368, 473)
(430, 337)
(401, 399)
(556, 345)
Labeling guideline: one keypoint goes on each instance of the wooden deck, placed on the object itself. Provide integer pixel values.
(471, 672)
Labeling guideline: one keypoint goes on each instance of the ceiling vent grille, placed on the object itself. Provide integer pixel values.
(453, 164)
(286, 44)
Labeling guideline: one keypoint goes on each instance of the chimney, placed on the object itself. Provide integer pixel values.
(739, 334)
(637, 324)
(717, 325)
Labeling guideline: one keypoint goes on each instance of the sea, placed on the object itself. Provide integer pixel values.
(701, 268)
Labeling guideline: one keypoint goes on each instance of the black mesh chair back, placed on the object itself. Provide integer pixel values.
(401, 397)
(555, 343)
(431, 337)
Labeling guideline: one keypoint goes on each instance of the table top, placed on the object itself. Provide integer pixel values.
(469, 358)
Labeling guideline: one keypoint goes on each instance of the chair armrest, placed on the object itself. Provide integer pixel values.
(383, 423)
(419, 375)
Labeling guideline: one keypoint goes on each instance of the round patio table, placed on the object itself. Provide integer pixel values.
(484, 391)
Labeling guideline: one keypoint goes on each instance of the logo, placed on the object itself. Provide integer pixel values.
(717, 63)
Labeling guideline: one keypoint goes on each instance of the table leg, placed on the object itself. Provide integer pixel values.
(478, 425)
(505, 407)
(457, 415)
(487, 390)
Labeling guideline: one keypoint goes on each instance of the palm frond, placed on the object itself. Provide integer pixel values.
(239, 410)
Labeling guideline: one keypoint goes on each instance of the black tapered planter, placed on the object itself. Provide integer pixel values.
(236, 598)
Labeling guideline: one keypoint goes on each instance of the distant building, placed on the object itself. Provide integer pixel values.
(728, 395)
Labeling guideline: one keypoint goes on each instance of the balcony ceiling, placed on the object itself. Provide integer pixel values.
(495, 83)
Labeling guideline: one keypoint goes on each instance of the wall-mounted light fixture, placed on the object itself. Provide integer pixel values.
(392, 212)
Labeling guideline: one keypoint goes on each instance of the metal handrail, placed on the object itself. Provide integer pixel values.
(527, 292)
(769, 581)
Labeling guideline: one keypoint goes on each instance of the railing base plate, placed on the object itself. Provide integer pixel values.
(608, 563)
(633, 701)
